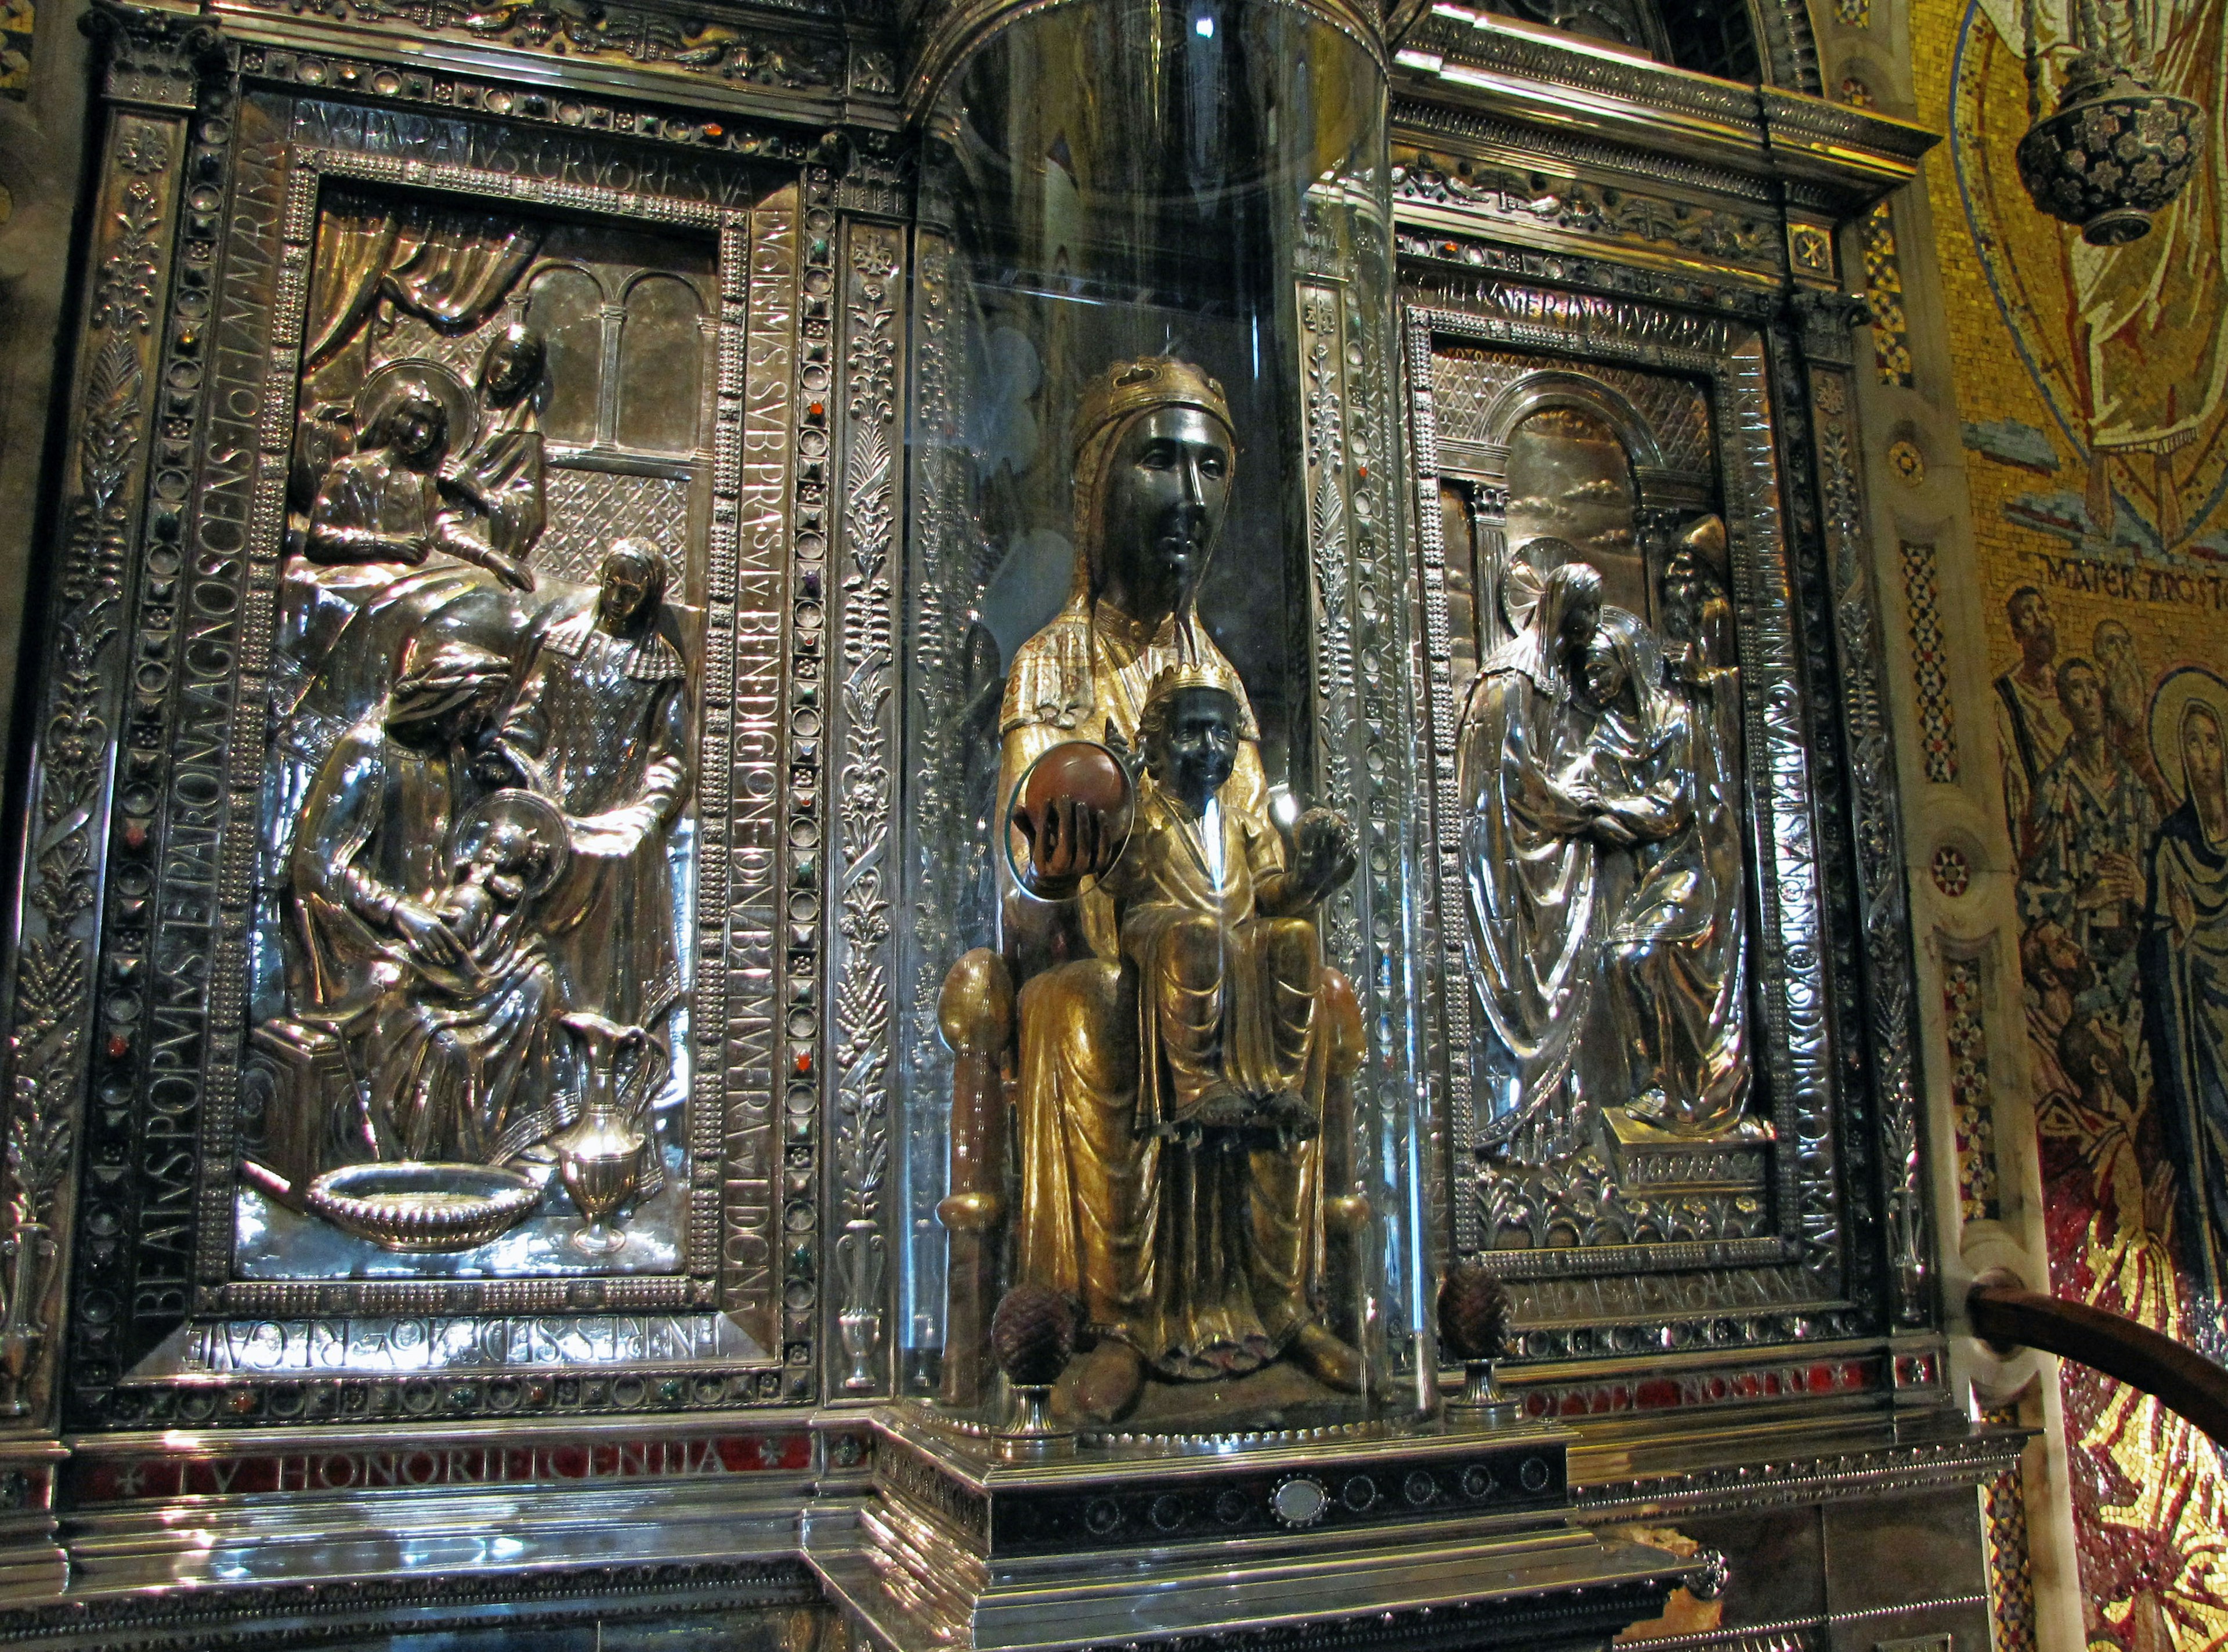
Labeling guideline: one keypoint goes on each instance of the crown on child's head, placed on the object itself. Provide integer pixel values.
(1172, 681)
(1191, 674)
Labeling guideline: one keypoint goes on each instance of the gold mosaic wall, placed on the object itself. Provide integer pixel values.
(2092, 385)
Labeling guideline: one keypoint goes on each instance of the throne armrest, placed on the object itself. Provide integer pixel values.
(976, 1013)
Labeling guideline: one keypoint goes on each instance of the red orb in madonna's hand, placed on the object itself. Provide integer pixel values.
(1071, 817)
(1084, 772)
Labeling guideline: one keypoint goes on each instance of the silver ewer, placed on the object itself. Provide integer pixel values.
(600, 1159)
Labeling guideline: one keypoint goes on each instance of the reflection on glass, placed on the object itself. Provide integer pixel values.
(468, 954)
(1455, 528)
(1151, 478)
(1569, 482)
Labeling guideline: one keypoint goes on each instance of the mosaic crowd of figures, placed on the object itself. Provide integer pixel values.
(468, 961)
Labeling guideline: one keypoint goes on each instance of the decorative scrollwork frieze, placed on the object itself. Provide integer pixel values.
(1789, 1480)
(1323, 370)
(1472, 40)
(241, 1617)
(529, 106)
(1527, 200)
(729, 52)
(1499, 264)
(1435, 125)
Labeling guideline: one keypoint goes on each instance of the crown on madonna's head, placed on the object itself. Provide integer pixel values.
(1148, 381)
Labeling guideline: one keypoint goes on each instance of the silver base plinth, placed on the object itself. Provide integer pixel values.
(1031, 1435)
(1481, 1404)
(1392, 1540)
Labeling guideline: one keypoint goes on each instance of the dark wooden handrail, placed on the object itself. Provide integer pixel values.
(2180, 1378)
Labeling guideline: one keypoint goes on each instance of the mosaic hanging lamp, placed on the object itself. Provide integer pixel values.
(2117, 150)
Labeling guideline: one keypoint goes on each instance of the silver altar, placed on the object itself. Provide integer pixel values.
(552, 497)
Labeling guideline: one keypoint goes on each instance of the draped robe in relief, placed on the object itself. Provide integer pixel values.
(343, 633)
(447, 1065)
(1676, 948)
(600, 727)
(1537, 915)
(502, 476)
(461, 1060)
(1203, 1257)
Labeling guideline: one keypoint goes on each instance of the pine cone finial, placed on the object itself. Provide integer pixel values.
(1473, 1313)
(1033, 1335)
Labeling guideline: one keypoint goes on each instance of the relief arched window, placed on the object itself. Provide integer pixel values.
(1570, 483)
(661, 366)
(626, 360)
(566, 304)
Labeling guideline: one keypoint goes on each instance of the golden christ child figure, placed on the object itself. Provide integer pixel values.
(1229, 961)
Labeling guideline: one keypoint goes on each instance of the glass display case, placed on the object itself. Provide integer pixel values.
(1158, 1043)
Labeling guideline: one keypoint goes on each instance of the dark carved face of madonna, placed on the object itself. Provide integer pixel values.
(1167, 493)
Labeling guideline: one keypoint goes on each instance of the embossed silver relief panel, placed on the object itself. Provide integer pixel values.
(420, 1001)
(1613, 1182)
(498, 950)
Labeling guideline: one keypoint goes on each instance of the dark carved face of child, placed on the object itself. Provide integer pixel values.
(1191, 744)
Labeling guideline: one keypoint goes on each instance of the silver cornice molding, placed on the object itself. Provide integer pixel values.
(1471, 64)
(804, 65)
(1483, 135)
(1808, 1467)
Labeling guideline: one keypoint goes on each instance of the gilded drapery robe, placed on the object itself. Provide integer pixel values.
(1239, 987)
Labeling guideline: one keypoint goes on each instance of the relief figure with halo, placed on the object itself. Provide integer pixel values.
(1599, 772)
(477, 774)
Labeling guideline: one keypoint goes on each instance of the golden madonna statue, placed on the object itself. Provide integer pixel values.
(1159, 1025)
